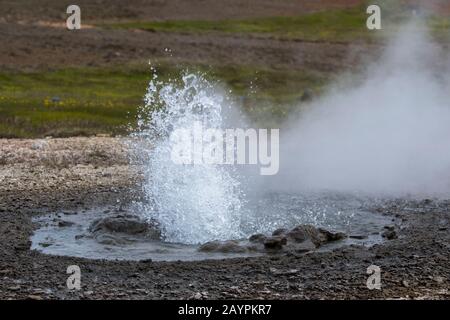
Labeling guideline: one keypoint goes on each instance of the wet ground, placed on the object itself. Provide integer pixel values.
(65, 175)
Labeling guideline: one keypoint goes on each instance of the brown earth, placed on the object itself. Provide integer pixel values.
(32, 47)
(37, 38)
(101, 10)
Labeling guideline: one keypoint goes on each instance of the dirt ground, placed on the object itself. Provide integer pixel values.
(32, 47)
(37, 37)
(42, 176)
(98, 10)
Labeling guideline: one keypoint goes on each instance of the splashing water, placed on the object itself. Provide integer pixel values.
(191, 203)
(197, 203)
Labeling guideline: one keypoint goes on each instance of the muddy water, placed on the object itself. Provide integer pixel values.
(67, 233)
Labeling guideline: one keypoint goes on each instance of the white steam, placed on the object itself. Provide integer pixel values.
(386, 135)
(389, 134)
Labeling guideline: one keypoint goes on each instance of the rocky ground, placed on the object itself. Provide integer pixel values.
(41, 176)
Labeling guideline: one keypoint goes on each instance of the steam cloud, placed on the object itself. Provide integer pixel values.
(389, 134)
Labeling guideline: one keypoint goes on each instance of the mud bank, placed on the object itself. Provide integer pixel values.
(44, 176)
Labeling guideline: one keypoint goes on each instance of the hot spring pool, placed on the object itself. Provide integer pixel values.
(69, 233)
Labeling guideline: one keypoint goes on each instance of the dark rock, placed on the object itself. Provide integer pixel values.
(275, 243)
(63, 224)
(280, 231)
(210, 246)
(122, 224)
(230, 246)
(122, 229)
(330, 236)
(125, 224)
(304, 232)
(257, 238)
(305, 238)
(111, 239)
(389, 234)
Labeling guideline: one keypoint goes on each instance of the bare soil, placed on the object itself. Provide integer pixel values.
(37, 37)
(101, 10)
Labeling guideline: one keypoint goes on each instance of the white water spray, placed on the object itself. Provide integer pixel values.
(192, 203)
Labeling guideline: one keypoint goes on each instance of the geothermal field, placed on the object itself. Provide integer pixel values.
(200, 150)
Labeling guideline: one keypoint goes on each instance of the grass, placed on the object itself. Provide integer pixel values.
(339, 25)
(336, 25)
(88, 101)
(268, 96)
(69, 102)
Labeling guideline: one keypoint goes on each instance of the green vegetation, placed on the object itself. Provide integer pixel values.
(326, 25)
(69, 102)
(87, 101)
(268, 96)
(331, 25)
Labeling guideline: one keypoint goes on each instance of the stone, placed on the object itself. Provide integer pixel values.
(389, 234)
(110, 239)
(230, 246)
(125, 224)
(275, 242)
(122, 223)
(279, 232)
(330, 236)
(63, 224)
(304, 232)
(257, 238)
